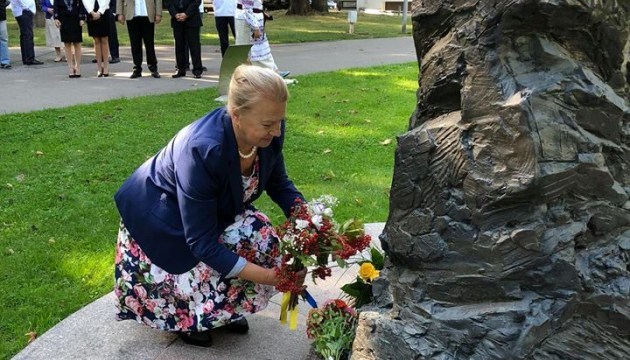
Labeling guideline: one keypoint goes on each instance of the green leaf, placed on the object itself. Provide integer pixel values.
(352, 228)
(359, 291)
(352, 289)
(378, 260)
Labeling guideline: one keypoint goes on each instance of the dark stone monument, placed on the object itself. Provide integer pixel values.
(509, 227)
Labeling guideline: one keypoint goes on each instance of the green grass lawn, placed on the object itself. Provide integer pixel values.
(60, 169)
(283, 29)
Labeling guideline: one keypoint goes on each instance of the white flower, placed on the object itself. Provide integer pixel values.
(301, 224)
(328, 212)
(318, 208)
(328, 200)
(317, 221)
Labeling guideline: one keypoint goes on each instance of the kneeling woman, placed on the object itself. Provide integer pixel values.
(193, 253)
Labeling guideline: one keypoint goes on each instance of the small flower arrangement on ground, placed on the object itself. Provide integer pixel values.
(332, 328)
(309, 238)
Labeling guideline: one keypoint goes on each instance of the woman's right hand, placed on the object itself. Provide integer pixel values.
(57, 24)
(301, 276)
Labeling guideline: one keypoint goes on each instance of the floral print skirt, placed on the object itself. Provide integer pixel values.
(198, 300)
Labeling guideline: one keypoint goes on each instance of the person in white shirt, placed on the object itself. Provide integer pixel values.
(24, 12)
(249, 22)
(224, 11)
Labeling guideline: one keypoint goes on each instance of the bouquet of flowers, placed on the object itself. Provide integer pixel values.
(333, 329)
(310, 237)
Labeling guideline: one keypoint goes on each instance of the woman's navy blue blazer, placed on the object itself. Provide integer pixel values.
(177, 204)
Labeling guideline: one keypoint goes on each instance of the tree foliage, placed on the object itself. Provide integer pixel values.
(305, 7)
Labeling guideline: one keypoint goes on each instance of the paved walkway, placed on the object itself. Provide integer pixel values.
(92, 332)
(27, 88)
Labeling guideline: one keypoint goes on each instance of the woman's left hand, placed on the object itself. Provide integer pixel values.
(95, 15)
(257, 34)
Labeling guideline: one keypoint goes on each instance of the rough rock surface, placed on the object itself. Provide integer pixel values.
(509, 228)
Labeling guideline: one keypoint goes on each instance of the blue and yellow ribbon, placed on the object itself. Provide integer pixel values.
(283, 307)
(293, 313)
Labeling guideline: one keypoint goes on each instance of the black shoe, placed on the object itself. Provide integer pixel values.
(135, 74)
(178, 75)
(197, 76)
(201, 338)
(203, 68)
(155, 74)
(114, 61)
(5, 66)
(93, 61)
(239, 326)
(35, 62)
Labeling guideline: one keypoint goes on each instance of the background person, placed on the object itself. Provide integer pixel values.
(224, 11)
(249, 24)
(141, 17)
(193, 253)
(24, 12)
(5, 60)
(186, 22)
(98, 29)
(112, 38)
(114, 46)
(69, 17)
(53, 38)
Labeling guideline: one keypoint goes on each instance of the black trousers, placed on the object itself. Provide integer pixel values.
(187, 36)
(222, 23)
(142, 30)
(113, 37)
(27, 47)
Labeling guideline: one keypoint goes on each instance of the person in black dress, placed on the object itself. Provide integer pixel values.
(98, 29)
(69, 17)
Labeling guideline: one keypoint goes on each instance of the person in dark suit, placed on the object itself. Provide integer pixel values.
(186, 21)
(193, 253)
(113, 34)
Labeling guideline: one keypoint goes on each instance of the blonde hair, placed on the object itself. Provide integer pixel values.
(251, 84)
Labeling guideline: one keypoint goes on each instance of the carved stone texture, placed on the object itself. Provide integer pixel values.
(509, 228)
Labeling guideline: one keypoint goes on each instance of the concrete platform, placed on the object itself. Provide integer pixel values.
(92, 333)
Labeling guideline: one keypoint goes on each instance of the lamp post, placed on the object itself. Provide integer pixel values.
(352, 19)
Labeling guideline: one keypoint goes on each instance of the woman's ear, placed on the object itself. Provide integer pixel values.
(236, 119)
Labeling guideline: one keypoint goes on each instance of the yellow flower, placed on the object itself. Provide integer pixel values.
(367, 271)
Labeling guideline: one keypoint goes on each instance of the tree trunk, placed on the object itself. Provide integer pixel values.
(299, 7)
(320, 6)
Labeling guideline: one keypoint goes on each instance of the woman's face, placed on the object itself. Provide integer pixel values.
(258, 125)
